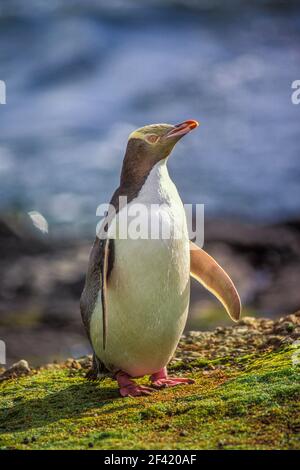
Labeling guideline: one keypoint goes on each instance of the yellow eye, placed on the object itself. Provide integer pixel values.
(151, 138)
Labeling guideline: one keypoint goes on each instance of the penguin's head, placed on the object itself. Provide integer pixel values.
(150, 144)
(157, 140)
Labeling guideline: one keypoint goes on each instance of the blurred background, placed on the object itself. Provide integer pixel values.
(80, 76)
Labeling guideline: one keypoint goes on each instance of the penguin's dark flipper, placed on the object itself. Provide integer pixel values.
(100, 266)
(210, 274)
(104, 273)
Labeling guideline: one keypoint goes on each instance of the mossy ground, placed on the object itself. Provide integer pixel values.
(252, 402)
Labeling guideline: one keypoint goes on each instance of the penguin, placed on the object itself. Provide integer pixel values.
(135, 300)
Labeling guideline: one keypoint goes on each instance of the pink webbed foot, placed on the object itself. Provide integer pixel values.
(128, 388)
(161, 380)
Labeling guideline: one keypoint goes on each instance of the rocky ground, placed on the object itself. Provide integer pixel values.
(246, 396)
(250, 336)
(42, 278)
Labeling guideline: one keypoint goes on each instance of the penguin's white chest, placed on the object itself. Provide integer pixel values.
(148, 289)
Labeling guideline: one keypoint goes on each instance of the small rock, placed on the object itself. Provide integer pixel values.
(195, 334)
(220, 330)
(223, 350)
(248, 321)
(274, 340)
(292, 318)
(288, 341)
(85, 362)
(16, 370)
(284, 327)
(194, 354)
(183, 433)
(72, 364)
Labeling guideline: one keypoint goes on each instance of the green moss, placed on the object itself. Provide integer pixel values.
(249, 403)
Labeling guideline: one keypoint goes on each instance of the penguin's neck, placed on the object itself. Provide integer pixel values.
(157, 177)
(152, 187)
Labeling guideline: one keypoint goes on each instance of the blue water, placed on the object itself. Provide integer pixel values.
(81, 75)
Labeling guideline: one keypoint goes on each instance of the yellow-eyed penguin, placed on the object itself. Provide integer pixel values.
(136, 297)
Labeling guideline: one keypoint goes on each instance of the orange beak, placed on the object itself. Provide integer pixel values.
(183, 128)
